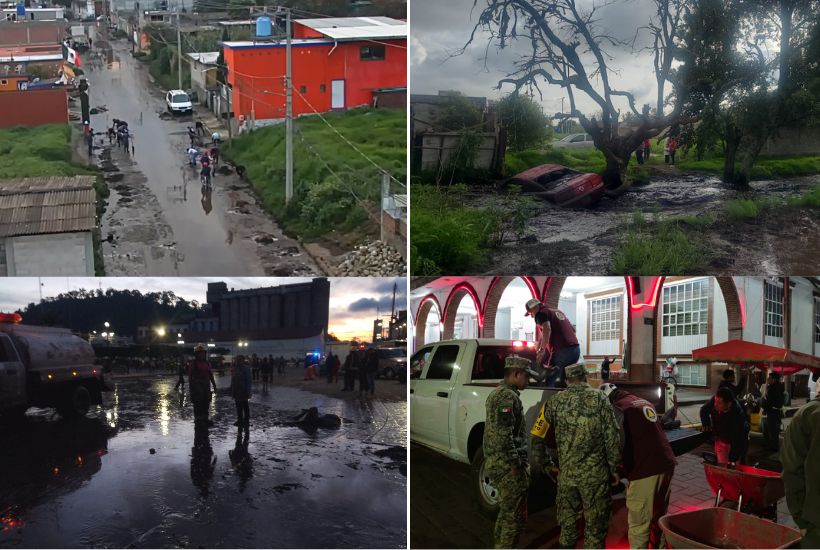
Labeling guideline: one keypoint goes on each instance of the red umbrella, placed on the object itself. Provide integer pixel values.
(752, 354)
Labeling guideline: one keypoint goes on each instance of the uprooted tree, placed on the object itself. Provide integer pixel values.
(569, 48)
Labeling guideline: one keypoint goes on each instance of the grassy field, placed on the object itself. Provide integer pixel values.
(40, 151)
(650, 246)
(335, 187)
(765, 167)
(46, 151)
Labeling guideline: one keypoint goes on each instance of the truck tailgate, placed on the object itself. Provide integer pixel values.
(684, 440)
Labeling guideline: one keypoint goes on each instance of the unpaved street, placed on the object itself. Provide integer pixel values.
(138, 475)
(159, 220)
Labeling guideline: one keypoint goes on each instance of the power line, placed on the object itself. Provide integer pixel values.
(338, 133)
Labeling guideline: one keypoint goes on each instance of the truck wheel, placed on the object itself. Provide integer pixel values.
(77, 404)
(487, 494)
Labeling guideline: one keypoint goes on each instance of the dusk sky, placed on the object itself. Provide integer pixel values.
(438, 29)
(353, 300)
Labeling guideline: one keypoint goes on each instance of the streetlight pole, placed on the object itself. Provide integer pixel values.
(288, 113)
(179, 53)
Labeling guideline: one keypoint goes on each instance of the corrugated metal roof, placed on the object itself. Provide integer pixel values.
(351, 28)
(35, 206)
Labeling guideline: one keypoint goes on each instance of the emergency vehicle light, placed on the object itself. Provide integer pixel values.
(11, 318)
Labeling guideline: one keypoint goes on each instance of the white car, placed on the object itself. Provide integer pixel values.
(178, 102)
(574, 141)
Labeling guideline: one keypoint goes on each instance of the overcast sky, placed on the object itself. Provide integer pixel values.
(353, 301)
(438, 28)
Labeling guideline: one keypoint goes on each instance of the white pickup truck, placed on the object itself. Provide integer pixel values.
(449, 384)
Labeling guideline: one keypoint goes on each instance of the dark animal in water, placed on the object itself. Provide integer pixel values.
(310, 419)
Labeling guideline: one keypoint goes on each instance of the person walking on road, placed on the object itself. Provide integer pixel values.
(181, 378)
(505, 452)
(772, 405)
(362, 362)
(241, 391)
(587, 437)
(372, 369)
(557, 337)
(800, 456)
(200, 380)
(349, 374)
(725, 419)
(647, 149)
(648, 464)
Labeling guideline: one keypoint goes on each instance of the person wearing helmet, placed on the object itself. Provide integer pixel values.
(648, 464)
(505, 451)
(586, 435)
(557, 337)
(241, 391)
(200, 380)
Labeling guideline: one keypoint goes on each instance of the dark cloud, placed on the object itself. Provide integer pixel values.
(371, 304)
(438, 29)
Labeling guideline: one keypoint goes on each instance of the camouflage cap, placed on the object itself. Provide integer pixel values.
(573, 371)
(517, 362)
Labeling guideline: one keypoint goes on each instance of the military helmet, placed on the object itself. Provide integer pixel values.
(516, 362)
(576, 370)
(607, 388)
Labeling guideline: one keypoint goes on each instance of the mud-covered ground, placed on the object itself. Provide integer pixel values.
(138, 475)
(581, 242)
(159, 219)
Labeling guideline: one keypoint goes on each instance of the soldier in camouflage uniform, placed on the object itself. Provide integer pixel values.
(505, 451)
(588, 441)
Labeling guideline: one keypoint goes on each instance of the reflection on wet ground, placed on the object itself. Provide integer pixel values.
(140, 475)
(580, 241)
(159, 219)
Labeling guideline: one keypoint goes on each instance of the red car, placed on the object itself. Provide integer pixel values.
(560, 185)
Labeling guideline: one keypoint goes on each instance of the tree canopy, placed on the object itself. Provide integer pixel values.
(525, 122)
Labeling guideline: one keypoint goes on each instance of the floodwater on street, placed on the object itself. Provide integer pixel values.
(581, 241)
(159, 219)
(138, 475)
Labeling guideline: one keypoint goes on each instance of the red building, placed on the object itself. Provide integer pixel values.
(337, 63)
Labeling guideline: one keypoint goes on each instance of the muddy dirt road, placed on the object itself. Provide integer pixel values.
(96, 483)
(159, 220)
(581, 242)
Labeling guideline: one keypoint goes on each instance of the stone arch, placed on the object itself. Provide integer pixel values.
(451, 308)
(734, 307)
(427, 303)
(493, 298)
(552, 291)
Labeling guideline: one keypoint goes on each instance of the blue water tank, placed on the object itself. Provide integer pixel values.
(263, 26)
(21, 10)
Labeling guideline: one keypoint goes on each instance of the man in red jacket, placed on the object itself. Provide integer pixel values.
(649, 463)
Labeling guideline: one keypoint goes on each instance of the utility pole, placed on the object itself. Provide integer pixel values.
(288, 113)
(179, 53)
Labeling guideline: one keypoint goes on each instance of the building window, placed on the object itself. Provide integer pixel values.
(372, 53)
(773, 300)
(692, 375)
(685, 308)
(322, 88)
(302, 89)
(605, 318)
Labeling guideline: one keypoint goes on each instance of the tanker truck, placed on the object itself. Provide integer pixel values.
(47, 367)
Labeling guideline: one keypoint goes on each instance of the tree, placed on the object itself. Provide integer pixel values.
(458, 113)
(526, 124)
(569, 49)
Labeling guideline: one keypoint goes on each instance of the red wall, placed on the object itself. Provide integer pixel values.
(33, 108)
(262, 67)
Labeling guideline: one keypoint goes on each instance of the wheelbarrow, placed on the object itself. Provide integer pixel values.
(725, 528)
(756, 488)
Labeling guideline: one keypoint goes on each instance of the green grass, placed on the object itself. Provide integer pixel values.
(40, 151)
(808, 200)
(663, 248)
(587, 160)
(764, 168)
(346, 201)
(743, 209)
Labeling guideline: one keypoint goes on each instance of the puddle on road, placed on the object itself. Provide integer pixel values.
(580, 241)
(96, 483)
